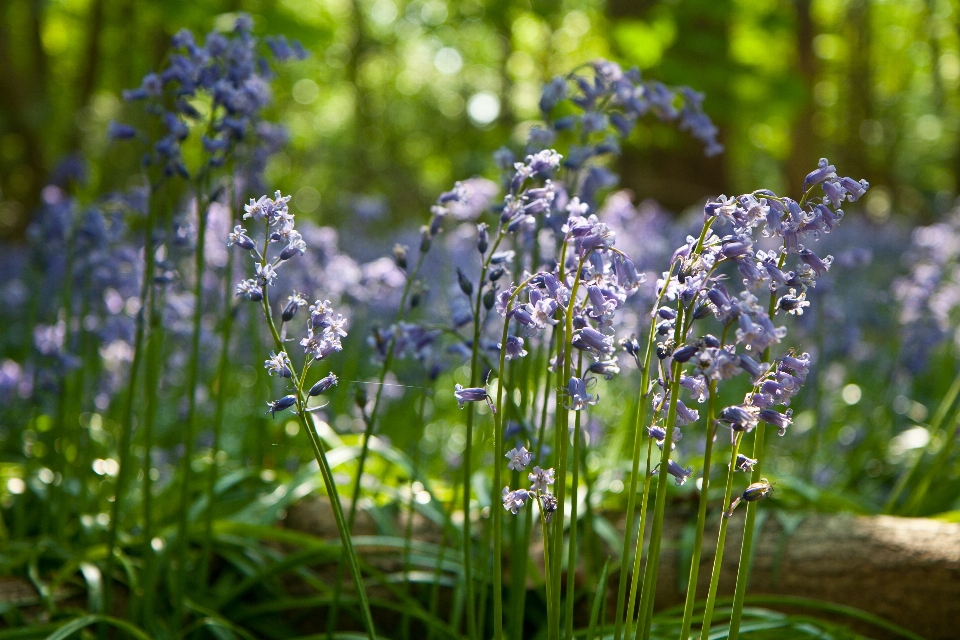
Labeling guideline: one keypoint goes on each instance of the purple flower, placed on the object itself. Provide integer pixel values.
(513, 501)
(779, 420)
(470, 394)
(740, 417)
(279, 405)
(519, 458)
(514, 348)
(589, 339)
(579, 398)
(678, 472)
(323, 385)
(744, 463)
(824, 171)
(541, 479)
(278, 364)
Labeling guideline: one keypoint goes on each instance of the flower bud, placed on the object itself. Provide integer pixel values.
(483, 238)
(400, 255)
(279, 405)
(323, 385)
(465, 285)
(489, 297)
(290, 310)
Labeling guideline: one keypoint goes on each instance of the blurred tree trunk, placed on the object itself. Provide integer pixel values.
(23, 103)
(91, 65)
(678, 174)
(803, 157)
(859, 99)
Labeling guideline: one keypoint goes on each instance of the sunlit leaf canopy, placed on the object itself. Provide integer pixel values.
(398, 99)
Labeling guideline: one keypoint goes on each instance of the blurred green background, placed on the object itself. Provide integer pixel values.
(399, 98)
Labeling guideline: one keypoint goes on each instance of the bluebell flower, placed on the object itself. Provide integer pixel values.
(541, 479)
(659, 434)
(323, 384)
(678, 472)
(548, 502)
(579, 398)
(250, 289)
(589, 339)
(470, 394)
(744, 463)
(752, 493)
(519, 458)
(266, 274)
(119, 131)
(240, 238)
(740, 417)
(513, 501)
(294, 302)
(279, 405)
(514, 348)
(824, 171)
(779, 420)
(278, 364)
(792, 302)
(605, 368)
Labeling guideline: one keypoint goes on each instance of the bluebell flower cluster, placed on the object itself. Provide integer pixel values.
(324, 327)
(928, 296)
(697, 285)
(229, 70)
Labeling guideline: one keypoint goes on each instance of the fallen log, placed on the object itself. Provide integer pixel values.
(906, 570)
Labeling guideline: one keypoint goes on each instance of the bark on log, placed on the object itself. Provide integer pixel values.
(906, 570)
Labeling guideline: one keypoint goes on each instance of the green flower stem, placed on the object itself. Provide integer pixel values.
(547, 582)
(189, 426)
(153, 366)
(369, 424)
(743, 571)
(562, 439)
(519, 552)
(648, 593)
(223, 384)
(721, 539)
(498, 426)
(328, 480)
(411, 509)
(746, 550)
(126, 432)
(638, 554)
(472, 629)
(909, 479)
(701, 517)
(572, 542)
(639, 422)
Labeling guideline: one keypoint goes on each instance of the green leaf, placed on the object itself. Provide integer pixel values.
(81, 623)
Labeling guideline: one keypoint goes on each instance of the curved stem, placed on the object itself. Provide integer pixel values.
(126, 432)
(743, 571)
(562, 439)
(721, 540)
(328, 480)
(638, 554)
(639, 422)
(574, 499)
(468, 448)
(647, 595)
(746, 550)
(701, 517)
(193, 370)
(223, 372)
